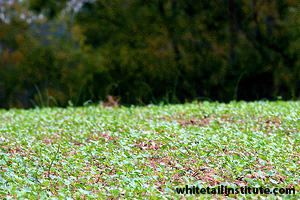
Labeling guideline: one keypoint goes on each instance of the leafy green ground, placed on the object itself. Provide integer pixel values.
(146, 152)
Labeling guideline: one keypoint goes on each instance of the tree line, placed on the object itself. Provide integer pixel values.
(60, 52)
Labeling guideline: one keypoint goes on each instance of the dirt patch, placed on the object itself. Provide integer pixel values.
(208, 176)
(17, 151)
(227, 118)
(195, 122)
(149, 144)
(96, 136)
(105, 135)
(188, 169)
(49, 141)
(200, 121)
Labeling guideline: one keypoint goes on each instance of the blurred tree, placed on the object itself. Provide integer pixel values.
(39, 60)
(149, 50)
(13, 34)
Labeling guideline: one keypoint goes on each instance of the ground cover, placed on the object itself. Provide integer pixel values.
(97, 152)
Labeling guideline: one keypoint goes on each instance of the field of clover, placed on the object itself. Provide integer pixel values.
(97, 152)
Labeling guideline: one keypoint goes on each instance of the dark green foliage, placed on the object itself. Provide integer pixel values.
(153, 51)
(50, 7)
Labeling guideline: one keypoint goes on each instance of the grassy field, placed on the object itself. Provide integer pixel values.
(147, 152)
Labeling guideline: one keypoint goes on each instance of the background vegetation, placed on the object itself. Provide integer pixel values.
(59, 52)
